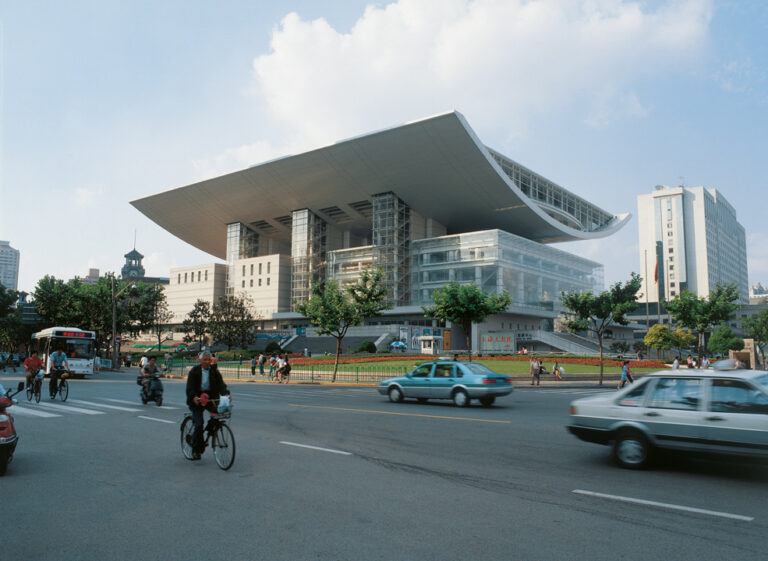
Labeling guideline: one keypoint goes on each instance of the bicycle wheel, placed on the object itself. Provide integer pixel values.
(38, 391)
(63, 390)
(187, 430)
(224, 446)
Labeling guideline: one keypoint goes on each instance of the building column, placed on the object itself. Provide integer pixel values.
(391, 227)
(242, 243)
(309, 249)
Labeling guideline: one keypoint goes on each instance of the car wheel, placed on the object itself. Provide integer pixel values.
(632, 450)
(487, 400)
(395, 394)
(460, 398)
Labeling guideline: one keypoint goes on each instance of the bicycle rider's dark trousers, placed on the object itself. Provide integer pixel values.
(53, 387)
(197, 420)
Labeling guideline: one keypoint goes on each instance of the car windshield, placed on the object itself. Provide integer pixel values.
(476, 368)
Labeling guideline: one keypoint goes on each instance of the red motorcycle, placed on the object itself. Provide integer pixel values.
(8, 436)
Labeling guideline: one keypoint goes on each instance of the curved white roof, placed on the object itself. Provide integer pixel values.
(437, 166)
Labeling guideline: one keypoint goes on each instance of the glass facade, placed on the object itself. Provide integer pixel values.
(391, 244)
(534, 274)
(242, 243)
(309, 247)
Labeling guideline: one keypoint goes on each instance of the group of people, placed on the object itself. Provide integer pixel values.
(691, 362)
(59, 364)
(538, 368)
(279, 366)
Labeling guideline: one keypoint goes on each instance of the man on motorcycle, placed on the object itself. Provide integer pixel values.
(58, 362)
(32, 364)
(148, 371)
(203, 378)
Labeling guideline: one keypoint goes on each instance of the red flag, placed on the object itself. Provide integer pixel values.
(656, 272)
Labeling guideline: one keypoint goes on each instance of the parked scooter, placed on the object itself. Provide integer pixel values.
(8, 436)
(155, 389)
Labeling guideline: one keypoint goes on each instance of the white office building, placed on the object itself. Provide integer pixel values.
(689, 238)
(187, 285)
(9, 265)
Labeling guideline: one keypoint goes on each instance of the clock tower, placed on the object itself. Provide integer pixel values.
(133, 268)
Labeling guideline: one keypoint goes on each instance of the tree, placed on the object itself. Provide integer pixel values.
(658, 338)
(702, 314)
(333, 310)
(587, 312)
(232, 321)
(680, 339)
(756, 327)
(195, 325)
(723, 340)
(465, 304)
(55, 302)
(162, 317)
(620, 347)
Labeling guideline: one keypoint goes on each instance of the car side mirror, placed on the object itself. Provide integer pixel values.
(409, 375)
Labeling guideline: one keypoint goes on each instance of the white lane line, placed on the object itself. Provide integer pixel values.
(167, 407)
(664, 505)
(69, 409)
(316, 448)
(158, 420)
(103, 405)
(32, 412)
(118, 400)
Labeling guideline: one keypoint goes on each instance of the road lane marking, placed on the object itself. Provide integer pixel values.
(332, 451)
(664, 505)
(70, 409)
(32, 412)
(119, 401)
(158, 420)
(402, 414)
(103, 405)
(167, 407)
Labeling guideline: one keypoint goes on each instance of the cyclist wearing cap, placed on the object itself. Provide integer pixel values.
(58, 362)
(203, 378)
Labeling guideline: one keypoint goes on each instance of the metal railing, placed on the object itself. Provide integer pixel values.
(347, 373)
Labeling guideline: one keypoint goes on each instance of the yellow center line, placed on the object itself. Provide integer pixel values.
(403, 414)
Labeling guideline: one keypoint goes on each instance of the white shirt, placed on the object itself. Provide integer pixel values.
(205, 380)
(676, 364)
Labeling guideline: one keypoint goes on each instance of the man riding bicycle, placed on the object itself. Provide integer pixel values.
(32, 364)
(58, 364)
(203, 378)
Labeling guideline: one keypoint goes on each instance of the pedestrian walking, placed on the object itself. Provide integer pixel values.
(272, 366)
(535, 371)
(626, 375)
(254, 362)
(262, 360)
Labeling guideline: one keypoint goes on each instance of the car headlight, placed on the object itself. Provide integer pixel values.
(574, 410)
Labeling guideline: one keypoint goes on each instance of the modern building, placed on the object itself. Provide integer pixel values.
(689, 238)
(426, 202)
(9, 265)
(758, 294)
(189, 284)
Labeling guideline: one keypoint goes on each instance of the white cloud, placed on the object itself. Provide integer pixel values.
(234, 159)
(85, 197)
(415, 58)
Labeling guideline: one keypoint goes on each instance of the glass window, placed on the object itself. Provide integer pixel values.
(268, 264)
(251, 283)
(676, 393)
(635, 396)
(422, 371)
(480, 369)
(251, 269)
(259, 268)
(243, 270)
(206, 275)
(267, 281)
(259, 282)
(443, 371)
(243, 284)
(735, 396)
(185, 277)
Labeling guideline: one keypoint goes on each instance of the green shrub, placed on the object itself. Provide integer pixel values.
(273, 347)
(367, 347)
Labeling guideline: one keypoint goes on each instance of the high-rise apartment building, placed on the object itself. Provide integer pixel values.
(9, 265)
(689, 238)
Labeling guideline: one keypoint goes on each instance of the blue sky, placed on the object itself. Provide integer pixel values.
(103, 102)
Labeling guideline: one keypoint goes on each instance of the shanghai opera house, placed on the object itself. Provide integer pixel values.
(427, 202)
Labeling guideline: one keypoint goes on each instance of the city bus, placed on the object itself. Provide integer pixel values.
(78, 345)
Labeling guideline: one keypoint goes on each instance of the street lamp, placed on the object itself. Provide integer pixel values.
(115, 362)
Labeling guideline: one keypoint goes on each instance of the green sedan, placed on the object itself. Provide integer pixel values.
(460, 382)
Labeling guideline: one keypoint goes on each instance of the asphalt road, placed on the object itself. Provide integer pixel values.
(101, 477)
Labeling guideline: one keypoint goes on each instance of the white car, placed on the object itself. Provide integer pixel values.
(711, 411)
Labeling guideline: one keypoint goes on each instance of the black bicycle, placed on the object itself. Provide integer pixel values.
(35, 387)
(217, 432)
(63, 386)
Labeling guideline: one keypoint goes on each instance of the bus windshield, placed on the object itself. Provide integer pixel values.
(77, 348)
